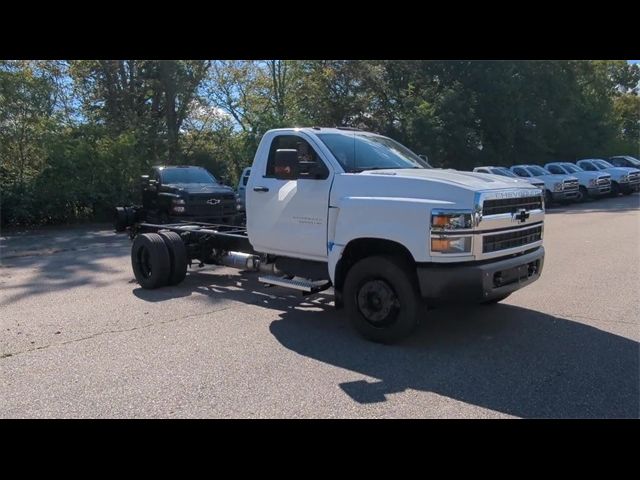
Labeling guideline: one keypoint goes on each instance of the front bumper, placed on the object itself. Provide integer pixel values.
(599, 191)
(629, 187)
(479, 281)
(563, 196)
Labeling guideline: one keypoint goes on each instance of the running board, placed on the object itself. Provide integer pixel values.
(296, 283)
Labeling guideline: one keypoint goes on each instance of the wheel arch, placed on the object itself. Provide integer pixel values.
(360, 248)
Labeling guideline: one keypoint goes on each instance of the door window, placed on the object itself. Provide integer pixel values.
(306, 153)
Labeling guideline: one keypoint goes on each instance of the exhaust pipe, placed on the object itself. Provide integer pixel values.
(239, 260)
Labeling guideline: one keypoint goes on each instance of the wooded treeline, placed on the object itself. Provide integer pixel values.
(75, 135)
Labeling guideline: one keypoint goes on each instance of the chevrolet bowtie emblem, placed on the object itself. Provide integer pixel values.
(213, 201)
(521, 216)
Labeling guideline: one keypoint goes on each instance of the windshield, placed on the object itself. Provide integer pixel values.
(505, 172)
(624, 161)
(174, 175)
(537, 171)
(359, 152)
(601, 164)
(571, 168)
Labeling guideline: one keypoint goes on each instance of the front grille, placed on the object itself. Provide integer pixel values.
(197, 205)
(634, 177)
(570, 185)
(504, 241)
(510, 205)
(604, 181)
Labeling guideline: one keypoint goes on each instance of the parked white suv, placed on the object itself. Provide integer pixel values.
(505, 172)
(558, 188)
(623, 179)
(592, 184)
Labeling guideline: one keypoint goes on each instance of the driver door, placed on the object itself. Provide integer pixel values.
(289, 217)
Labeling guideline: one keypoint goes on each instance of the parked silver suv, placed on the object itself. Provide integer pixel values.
(505, 172)
(623, 179)
(558, 188)
(592, 184)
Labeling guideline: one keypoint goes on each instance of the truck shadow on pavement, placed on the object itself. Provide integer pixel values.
(504, 358)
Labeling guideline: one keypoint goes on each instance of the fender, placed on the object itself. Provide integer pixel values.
(402, 220)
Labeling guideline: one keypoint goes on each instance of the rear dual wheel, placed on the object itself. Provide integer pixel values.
(159, 259)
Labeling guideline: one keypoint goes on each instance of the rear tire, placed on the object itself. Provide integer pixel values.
(381, 298)
(150, 260)
(178, 256)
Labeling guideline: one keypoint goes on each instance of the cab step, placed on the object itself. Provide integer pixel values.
(296, 283)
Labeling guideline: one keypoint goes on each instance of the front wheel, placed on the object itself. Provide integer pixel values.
(583, 194)
(381, 298)
(615, 189)
(548, 198)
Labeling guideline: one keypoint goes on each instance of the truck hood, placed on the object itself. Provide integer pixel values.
(555, 177)
(445, 188)
(619, 171)
(467, 180)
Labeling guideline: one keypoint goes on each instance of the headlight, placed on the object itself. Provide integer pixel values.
(178, 201)
(557, 187)
(450, 219)
(593, 182)
(451, 244)
(624, 179)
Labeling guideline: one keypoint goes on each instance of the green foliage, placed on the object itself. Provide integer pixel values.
(76, 135)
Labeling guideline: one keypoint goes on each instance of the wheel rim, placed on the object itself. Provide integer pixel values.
(144, 262)
(378, 303)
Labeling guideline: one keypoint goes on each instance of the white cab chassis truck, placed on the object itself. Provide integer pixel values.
(359, 212)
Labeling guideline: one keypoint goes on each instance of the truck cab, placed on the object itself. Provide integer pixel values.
(592, 184)
(341, 205)
(505, 172)
(558, 187)
(624, 180)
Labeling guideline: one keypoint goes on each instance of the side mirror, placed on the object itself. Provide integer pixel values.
(424, 157)
(286, 164)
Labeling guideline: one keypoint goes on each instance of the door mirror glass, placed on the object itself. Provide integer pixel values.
(286, 164)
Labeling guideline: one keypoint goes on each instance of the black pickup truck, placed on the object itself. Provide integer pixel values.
(179, 193)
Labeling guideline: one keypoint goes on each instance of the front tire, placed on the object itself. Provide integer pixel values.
(615, 189)
(381, 298)
(583, 195)
(548, 198)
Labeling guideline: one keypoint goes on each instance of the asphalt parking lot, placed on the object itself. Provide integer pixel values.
(81, 339)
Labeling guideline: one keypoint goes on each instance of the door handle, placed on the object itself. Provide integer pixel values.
(260, 189)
